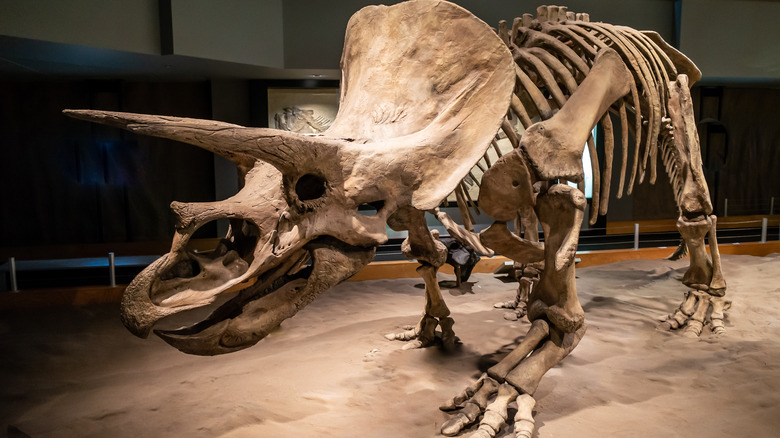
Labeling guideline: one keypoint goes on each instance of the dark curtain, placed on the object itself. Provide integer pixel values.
(64, 181)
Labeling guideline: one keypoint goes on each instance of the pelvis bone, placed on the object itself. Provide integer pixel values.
(425, 87)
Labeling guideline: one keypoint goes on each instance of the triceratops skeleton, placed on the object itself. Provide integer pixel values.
(425, 88)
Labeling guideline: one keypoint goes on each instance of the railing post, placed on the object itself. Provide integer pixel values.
(12, 271)
(636, 236)
(725, 207)
(112, 269)
(764, 224)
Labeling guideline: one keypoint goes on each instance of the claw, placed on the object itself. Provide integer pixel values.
(506, 305)
(693, 311)
(424, 333)
(455, 424)
(413, 345)
(405, 335)
(496, 413)
(524, 419)
(457, 401)
(472, 408)
(719, 306)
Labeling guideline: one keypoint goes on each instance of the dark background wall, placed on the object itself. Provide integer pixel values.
(741, 147)
(63, 181)
(740, 143)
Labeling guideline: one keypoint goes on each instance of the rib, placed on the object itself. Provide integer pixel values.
(560, 70)
(639, 68)
(542, 106)
(594, 165)
(544, 74)
(539, 39)
(624, 145)
(609, 146)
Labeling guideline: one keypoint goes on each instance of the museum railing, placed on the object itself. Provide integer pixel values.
(25, 272)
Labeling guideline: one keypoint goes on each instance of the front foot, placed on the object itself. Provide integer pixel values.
(697, 310)
(474, 401)
(424, 333)
(515, 378)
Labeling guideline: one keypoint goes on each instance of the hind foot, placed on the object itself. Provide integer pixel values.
(698, 309)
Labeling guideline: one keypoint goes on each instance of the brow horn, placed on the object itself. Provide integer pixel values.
(237, 143)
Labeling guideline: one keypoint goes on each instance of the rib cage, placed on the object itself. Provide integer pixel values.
(553, 53)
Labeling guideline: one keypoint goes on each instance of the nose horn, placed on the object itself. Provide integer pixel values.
(237, 143)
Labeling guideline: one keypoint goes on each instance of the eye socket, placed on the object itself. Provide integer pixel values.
(310, 187)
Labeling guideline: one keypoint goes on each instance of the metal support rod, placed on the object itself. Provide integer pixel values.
(636, 236)
(772, 206)
(112, 269)
(12, 271)
(725, 207)
(764, 224)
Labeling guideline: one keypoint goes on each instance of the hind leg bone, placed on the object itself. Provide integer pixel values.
(704, 276)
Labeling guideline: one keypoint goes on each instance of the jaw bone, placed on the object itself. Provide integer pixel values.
(245, 320)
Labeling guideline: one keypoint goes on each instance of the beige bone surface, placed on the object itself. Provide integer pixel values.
(425, 89)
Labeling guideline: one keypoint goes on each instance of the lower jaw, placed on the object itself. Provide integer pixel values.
(272, 282)
(259, 309)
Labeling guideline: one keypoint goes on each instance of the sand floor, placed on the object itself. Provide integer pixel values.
(329, 372)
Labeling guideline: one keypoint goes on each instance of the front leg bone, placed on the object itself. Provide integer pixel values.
(424, 246)
(539, 330)
(560, 211)
(553, 149)
(557, 321)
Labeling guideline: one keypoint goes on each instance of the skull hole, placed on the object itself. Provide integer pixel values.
(310, 187)
(239, 243)
(242, 238)
(187, 268)
(371, 208)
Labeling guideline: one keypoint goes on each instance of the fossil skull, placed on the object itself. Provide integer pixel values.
(425, 86)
